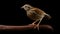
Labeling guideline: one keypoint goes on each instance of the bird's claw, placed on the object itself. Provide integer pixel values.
(37, 26)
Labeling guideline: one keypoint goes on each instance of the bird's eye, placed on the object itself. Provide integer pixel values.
(28, 7)
(25, 6)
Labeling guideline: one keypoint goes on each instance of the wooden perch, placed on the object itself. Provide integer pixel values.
(22, 28)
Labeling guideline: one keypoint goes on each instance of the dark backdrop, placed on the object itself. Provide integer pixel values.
(12, 14)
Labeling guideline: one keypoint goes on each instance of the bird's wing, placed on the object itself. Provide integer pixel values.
(38, 11)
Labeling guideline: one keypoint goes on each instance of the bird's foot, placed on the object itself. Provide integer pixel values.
(37, 26)
(33, 22)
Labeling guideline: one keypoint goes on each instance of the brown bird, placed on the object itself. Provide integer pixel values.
(35, 14)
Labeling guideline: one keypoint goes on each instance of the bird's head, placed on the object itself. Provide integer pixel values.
(26, 7)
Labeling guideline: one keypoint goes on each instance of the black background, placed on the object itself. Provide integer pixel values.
(12, 14)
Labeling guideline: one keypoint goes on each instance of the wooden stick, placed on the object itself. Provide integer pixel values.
(25, 27)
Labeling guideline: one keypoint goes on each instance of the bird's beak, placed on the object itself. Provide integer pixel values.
(21, 7)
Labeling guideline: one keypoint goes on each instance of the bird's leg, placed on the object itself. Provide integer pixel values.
(35, 22)
(37, 26)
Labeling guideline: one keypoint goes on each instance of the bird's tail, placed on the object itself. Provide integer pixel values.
(48, 16)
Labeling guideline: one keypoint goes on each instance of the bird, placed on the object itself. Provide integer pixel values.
(35, 14)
